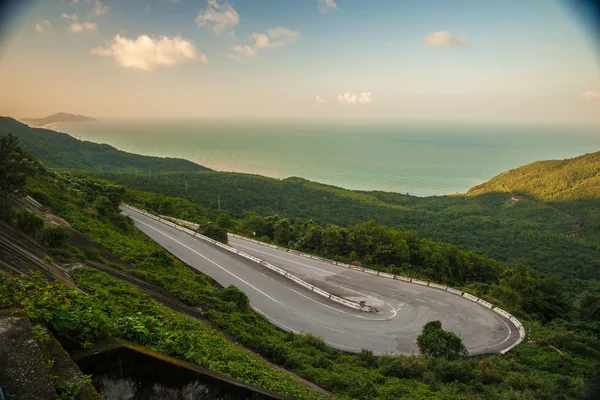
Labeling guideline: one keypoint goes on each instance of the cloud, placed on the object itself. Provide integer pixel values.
(43, 26)
(319, 99)
(284, 33)
(218, 16)
(244, 50)
(324, 6)
(99, 9)
(365, 98)
(444, 38)
(275, 37)
(86, 26)
(261, 40)
(589, 95)
(148, 53)
(350, 99)
(347, 98)
(70, 17)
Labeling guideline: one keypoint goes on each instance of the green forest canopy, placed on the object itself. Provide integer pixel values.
(59, 150)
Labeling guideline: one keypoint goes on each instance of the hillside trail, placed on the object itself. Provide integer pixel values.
(576, 225)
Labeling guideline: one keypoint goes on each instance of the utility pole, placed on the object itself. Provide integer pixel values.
(219, 202)
(186, 186)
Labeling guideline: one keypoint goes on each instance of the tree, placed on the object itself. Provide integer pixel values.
(436, 342)
(282, 233)
(14, 166)
(214, 232)
(54, 235)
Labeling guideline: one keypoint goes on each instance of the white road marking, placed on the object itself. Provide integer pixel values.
(212, 262)
(257, 289)
(283, 305)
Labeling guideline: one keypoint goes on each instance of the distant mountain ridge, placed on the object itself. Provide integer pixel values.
(552, 180)
(571, 186)
(58, 117)
(59, 150)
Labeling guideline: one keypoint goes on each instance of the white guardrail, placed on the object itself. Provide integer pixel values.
(520, 328)
(513, 320)
(257, 260)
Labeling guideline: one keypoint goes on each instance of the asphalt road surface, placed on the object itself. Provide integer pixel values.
(403, 307)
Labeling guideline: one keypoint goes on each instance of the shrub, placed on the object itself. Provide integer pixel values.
(54, 235)
(7, 212)
(214, 232)
(436, 342)
(234, 295)
(29, 223)
(402, 367)
(449, 371)
(488, 371)
(366, 358)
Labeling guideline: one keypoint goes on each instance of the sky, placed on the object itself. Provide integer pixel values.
(510, 60)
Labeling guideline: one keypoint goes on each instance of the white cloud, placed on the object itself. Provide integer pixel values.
(70, 17)
(363, 98)
(99, 9)
(283, 33)
(147, 53)
(589, 95)
(280, 34)
(43, 26)
(244, 50)
(325, 6)
(347, 98)
(218, 16)
(261, 40)
(319, 99)
(86, 26)
(444, 38)
(275, 37)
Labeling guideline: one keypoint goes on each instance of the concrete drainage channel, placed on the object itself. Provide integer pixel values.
(332, 297)
(456, 292)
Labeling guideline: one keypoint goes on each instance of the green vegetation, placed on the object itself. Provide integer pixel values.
(59, 150)
(484, 220)
(559, 362)
(114, 308)
(520, 290)
(436, 342)
(489, 223)
(571, 186)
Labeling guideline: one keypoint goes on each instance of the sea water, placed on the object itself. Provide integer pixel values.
(420, 158)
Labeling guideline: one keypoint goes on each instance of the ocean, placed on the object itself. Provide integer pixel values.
(420, 158)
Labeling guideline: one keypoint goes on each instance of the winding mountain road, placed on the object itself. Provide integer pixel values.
(403, 307)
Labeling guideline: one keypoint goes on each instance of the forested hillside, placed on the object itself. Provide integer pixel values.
(59, 150)
(489, 223)
(486, 219)
(572, 186)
